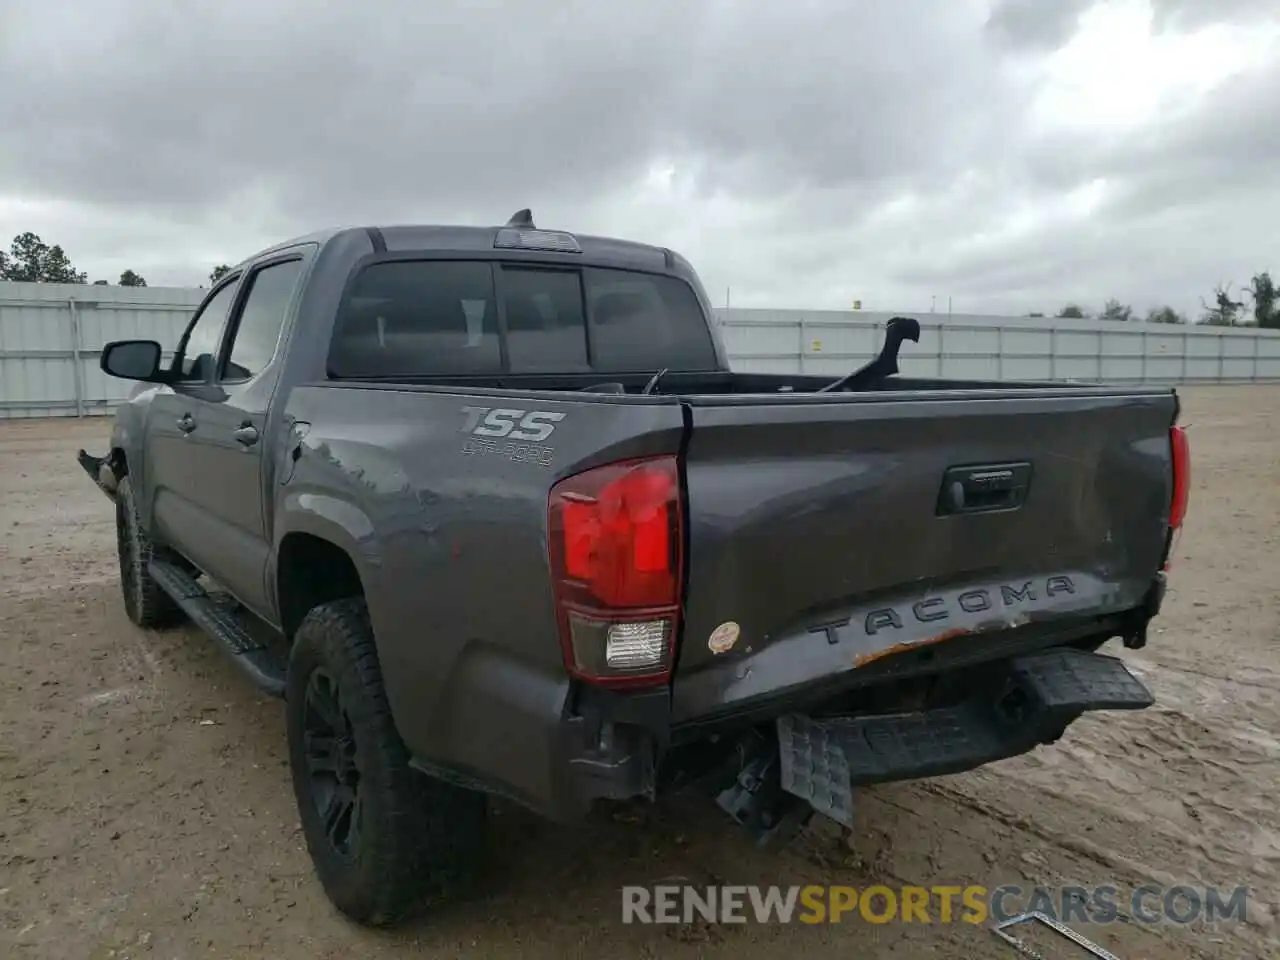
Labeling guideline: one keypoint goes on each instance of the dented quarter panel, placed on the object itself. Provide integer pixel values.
(449, 531)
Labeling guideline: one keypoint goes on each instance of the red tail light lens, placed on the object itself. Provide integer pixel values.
(615, 540)
(1181, 452)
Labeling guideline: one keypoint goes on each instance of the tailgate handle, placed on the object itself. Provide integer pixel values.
(984, 488)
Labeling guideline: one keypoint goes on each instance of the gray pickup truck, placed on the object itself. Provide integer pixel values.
(490, 510)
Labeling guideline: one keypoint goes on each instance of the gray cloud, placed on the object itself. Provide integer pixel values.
(813, 153)
(1035, 25)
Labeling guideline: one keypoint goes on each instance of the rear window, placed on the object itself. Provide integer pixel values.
(415, 318)
(440, 318)
(546, 323)
(644, 322)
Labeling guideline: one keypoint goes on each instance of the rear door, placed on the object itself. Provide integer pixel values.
(827, 534)
(226, 492)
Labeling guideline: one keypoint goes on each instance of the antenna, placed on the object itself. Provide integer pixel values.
(522, 218)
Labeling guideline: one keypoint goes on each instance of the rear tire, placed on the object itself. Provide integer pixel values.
(145, 603)
(383, 837)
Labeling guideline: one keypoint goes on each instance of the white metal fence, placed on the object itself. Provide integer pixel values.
(52, 334)
(1004, 348)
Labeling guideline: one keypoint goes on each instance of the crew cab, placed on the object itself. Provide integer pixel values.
(490, 509)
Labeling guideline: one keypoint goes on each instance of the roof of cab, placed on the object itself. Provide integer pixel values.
(463, 239)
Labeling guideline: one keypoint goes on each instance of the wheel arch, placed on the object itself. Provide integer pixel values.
(315, 561)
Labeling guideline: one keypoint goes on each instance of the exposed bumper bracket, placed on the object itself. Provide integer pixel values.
(100, 472)
(757, 801)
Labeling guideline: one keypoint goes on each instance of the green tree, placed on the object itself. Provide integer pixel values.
(1115, 310)
(131, 279)
(100, 283)
(1072, 311)
(1225, 312)
(33, 260)
(218, 273)
(1165, 314)
(1266, 300)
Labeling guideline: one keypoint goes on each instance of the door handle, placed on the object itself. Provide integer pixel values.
(246, 434)
(186, 423)
(983, 489)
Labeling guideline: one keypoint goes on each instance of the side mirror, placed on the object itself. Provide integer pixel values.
(132, 360)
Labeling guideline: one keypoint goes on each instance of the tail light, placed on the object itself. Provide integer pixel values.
(1180, 454)
(1181, 451)
(615, 542)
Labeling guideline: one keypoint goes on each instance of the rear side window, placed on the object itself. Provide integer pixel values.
(644, 322)
(261, 318)
(418, 318)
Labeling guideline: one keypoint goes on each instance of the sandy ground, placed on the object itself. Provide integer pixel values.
(145, 808)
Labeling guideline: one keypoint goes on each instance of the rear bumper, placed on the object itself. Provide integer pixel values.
(617, 747)
(820, 761)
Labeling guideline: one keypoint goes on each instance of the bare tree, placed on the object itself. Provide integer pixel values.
(1225, 312)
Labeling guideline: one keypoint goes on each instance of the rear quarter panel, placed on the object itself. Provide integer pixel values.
(448, 531)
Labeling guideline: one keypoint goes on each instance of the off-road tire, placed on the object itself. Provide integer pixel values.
(145, 603)
(419, 838)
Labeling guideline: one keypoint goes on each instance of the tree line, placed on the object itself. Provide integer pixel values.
(30, 258)
(1258, 305)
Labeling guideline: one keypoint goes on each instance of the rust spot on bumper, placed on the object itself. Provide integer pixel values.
(906, 646)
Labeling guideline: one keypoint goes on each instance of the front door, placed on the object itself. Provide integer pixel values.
(178, 516)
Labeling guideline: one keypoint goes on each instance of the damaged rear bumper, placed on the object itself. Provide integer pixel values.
(561, 756)
(820, 761)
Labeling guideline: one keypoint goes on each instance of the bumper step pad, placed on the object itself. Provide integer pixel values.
(822, 760)
(218, 615)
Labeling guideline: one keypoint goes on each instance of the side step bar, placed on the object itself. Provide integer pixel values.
(218, 615)
(822, 760)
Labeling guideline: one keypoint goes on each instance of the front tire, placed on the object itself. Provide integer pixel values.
(383, 837)
(145, 603)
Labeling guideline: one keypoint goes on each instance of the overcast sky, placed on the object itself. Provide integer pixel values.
(1009, 154)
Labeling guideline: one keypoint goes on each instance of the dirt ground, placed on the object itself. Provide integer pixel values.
(145, 809)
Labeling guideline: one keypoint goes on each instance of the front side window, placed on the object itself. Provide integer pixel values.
(203, 338)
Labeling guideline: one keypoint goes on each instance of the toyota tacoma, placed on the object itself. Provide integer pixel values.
(490, 510)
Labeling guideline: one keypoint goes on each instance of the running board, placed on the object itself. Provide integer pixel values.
(822, 760)
(218, 615)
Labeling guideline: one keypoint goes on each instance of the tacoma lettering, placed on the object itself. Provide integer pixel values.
(934, 609)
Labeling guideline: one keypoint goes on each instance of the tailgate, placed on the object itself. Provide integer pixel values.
(825, 534)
